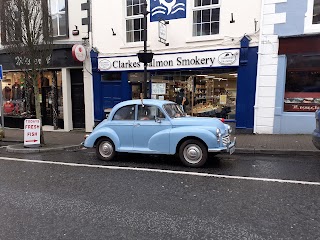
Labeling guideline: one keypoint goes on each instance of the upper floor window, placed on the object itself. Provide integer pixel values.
(206, 17)
(134, 19)
(316, 12)
(59, 17)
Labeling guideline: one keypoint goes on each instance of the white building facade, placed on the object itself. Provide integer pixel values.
(74, 106)
(211, 52)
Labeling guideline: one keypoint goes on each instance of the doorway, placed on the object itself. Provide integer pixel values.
(77, 96)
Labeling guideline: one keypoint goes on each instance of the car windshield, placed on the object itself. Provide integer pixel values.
(174, 110)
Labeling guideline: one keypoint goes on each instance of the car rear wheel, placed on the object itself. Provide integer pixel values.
(193, 153)
(105, 149)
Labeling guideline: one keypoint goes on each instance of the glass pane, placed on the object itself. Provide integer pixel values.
(53, 6)
(206, 2)
(137, 37)
(302, 92)
(215, 1)
(55, 25)
(316, 12)
(136, 2)
(129, 2)
(197, 3)
(197, 30)
(62, 25)
(215, 14)
(129, 26)
(197, 17)
(125, 113)
(206, 15)
(214, 28)
(206, 29)
(136, 10)
(136, 24)
(129, 11)
(129, 36)
(62, 5)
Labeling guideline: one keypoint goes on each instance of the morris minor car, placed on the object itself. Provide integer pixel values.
(152, 126)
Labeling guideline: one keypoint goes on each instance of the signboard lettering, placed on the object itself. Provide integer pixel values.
(32, 132)
(172, 61)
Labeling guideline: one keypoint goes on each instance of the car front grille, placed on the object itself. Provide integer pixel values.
(226, 140)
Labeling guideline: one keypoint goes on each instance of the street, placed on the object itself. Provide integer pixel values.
(72, 195)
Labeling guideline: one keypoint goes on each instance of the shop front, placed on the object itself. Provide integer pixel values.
(216, 83)
(298, 86)
(18, 93)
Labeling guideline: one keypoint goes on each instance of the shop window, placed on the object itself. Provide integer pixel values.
(302, 90)
(208, 93)
(134, 18)
(206, 17)
(316, 12)
(111, 76)
(58, 13)
(135, 80)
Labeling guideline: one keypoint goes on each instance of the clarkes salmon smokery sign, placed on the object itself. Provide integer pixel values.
(32, 132)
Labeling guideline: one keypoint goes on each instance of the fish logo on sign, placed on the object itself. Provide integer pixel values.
(167, 9)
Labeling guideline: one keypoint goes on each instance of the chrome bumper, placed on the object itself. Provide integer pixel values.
(230, 148)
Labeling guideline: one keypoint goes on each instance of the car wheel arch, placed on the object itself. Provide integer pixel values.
(102, 137)
(189, 138)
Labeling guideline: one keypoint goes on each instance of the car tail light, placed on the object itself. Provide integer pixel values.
(222, 119)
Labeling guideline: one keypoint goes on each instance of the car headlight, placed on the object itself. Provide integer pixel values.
(218, 134)
(229, 129)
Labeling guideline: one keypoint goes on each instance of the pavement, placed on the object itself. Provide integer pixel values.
(273, 144)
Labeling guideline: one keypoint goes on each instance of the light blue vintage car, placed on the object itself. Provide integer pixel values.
(152, 126)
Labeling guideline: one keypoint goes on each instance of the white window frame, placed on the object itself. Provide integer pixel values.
(133, 17)
(57, 14)
(194, 8)
(308, 26)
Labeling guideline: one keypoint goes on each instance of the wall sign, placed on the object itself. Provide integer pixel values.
(32, 132)
(206, 59)
(167, 9)
(79, 52)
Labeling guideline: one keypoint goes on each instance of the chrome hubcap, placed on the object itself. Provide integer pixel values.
(106, 149)
(192, 153)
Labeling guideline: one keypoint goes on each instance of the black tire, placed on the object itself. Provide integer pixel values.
(193, 153)
(105, 149)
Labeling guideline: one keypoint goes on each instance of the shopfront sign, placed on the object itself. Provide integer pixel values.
(205, 59)
(79, 52)
(32, 132)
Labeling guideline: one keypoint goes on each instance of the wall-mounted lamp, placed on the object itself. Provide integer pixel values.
(75, 32)
(113, 33)
(232, 20)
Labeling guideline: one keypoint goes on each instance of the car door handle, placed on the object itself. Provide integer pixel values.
(136, 125)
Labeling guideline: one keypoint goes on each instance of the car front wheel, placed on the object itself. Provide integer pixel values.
(105, 149)
(193, 153)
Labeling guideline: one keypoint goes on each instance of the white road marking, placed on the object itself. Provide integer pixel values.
(199, 174)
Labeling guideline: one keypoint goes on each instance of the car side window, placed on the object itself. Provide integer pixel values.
(125, 113)
(148, 112)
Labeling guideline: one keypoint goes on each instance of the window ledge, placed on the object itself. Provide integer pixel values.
(134, 45)
(204, 38)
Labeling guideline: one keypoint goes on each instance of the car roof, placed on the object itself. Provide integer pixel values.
(145, 101)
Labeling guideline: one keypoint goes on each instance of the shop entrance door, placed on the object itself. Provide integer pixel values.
(46, 106)
(77, 96)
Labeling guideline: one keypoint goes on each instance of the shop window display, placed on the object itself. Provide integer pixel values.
(19, 99)
(208, 93)
(302, 90)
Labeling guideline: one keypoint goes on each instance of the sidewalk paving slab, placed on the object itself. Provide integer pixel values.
(273, 144)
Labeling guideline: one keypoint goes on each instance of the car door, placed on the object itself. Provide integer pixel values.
(150, 120)
(122, 123)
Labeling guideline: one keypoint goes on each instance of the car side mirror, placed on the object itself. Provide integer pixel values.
(156, 119)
